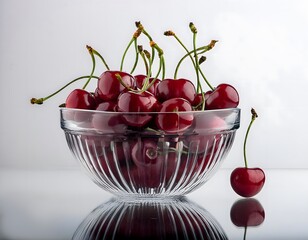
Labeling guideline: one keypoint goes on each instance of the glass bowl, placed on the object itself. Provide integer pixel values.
(178, 219)
(150, 154)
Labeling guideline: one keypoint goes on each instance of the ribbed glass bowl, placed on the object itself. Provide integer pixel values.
(128, 160)
(178, 219)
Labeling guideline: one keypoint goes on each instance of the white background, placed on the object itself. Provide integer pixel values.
(262, 51)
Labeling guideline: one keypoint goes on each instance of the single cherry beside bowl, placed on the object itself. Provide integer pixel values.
(245, 181)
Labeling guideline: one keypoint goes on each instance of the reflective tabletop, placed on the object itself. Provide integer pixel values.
(66, 204)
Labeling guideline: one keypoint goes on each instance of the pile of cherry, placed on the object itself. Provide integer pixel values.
(121, 91)
(168, 95)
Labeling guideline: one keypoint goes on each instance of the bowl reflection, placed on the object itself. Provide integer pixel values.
(172, 219)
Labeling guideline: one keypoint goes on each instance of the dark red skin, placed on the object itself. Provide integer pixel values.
(247, 212)
(247, 182)
(145, 154)
(109, 106)
(173, 122)
(140, 80)
(109, 87)
(137, 102)
(199, 98)
(80, 99)
(175, 88)
(223, 96)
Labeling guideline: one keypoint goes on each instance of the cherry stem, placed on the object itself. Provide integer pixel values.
(136, 58)
(133, 40)
(194, 31)
(41, 100)
(143, 54)
(101, 57)
(171, 33)
(118, 76)
(93, 67)
(146, 84)
(125, 52)
(140, 26)
(253, 118)
(245, 233)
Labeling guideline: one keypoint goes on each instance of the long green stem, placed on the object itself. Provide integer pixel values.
(143, 56)
(183, 58)
(161, 56)
(41, 100)
(93, 66)
(125, 52)
(194, 30)
(253, 118)
(136, 58)
(101, 57)
(141, 28)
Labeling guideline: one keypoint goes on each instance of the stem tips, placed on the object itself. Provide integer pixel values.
(37, 100)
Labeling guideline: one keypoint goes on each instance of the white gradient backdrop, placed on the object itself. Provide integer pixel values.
(262, 51)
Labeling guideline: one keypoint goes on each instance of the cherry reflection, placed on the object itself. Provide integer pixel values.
(172, 219)
(247, 212)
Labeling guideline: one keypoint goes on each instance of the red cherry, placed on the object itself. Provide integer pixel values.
(149, 162)
(172, 117)
(247, 213)
(199, 98)
(175, 88)
(137, 102)
(223, 96)
(80, 99)
(109, 87)
(109, 106)
(247, 182)
(140, 81)
(108, 122)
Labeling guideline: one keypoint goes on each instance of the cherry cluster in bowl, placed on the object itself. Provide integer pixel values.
(119, 91)
(123, 91)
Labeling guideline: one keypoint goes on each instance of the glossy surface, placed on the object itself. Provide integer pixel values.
(170, 88)
(43, 204)
(173, 219)
(127, 159)
(247, 182)
(223, 96)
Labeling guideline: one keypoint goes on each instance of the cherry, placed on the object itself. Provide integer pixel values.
(245, 181)
(110, 106)
(80, 99)
(108, 122)
(247, 213)
(109, 86)
(132, 101)
(199, 99)
(141, 81)
(223, 96)
(172, 117)
(175, 88)
(146, 156)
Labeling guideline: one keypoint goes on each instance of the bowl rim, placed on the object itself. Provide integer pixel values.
(142, 113)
